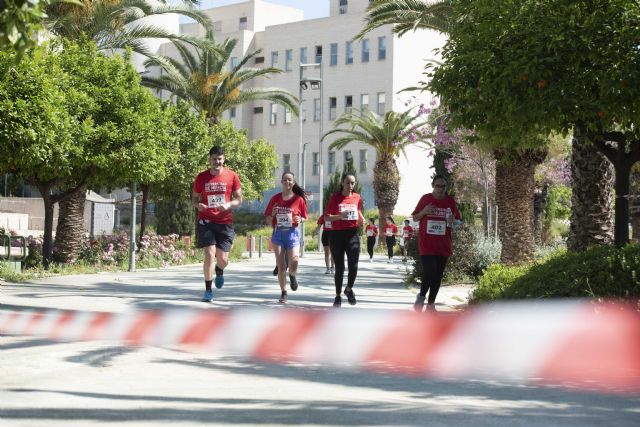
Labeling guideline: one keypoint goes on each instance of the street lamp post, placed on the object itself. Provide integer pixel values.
(309, 83)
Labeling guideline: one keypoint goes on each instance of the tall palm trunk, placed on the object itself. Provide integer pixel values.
(592, 178)
(514, 197)
(70, 229)
(634, 203)
(386, 184)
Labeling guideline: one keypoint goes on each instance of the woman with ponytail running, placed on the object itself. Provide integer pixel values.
(390, 231)
(286, 211)
(344, 210)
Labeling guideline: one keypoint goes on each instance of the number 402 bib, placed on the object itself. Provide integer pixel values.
(438, 228)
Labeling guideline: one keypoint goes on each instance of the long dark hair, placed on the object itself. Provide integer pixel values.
(391, 218)
(296, 188)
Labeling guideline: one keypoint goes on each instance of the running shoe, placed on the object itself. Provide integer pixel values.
(328, 271)
(275, 271)
(283, 297)
(431, 307)
(219, 281)
(419, 304)
(351, 297)
(208, 296)
(333, 270)
(337, 302)
(293, 282)
(370, 259)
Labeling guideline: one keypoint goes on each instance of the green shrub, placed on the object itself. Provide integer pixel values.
(600, 272)
(175, 217)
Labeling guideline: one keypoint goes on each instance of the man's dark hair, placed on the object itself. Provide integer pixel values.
(216, 151)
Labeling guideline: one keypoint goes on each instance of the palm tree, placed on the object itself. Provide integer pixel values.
(408, 15)
(389, 135)
(112, 25)
(205, 79)
(117, 24)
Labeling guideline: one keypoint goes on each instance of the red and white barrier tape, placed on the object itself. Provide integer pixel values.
(578, 343)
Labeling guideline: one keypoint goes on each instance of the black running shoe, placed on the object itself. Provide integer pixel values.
(275, 271)
(351, 297)
(293, 282)
(337, 302)
(419, 304)
(283, 297)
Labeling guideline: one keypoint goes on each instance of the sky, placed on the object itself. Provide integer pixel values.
(312, 8)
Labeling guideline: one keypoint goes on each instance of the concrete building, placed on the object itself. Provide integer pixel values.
(355, 74)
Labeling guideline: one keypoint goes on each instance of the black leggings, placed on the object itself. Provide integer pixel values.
(341, 242)
(432, 271)
(371, 242)
(391, 242)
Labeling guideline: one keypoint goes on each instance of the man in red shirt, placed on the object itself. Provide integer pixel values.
(215, 192)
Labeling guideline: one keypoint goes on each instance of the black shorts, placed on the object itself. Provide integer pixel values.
(209, 233)
(325, 238)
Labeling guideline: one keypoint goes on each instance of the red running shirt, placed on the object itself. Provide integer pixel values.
(390, 230)
(434, 236)
(407, 232)
(286, 210)
(326, 225)
(371, 231)
(339, 203)
(215, 190)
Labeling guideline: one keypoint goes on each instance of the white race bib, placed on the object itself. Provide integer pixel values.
(214, 200)
(284, 220)
(327, 224)
(389, 232)
(438, 228)
(369, 233)
(352, 214)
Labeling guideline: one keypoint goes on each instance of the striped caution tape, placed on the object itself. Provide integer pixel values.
(577, 343)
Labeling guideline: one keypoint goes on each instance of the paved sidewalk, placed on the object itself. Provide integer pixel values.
(247, 283)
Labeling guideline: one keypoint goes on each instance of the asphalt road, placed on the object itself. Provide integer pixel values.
(97, 383)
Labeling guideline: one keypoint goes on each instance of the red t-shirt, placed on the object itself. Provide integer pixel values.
(371, 231)
(339, 203)
(390, 230)
(215, 190)
(434, 236)
(325, 224)
(407, 232)
(286, 210)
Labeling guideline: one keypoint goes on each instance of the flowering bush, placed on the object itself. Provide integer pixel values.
(113, 251)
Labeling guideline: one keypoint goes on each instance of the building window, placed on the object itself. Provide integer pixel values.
(364, 158)
(333, 103)
(381, 102)
(259, 60)
(232, 112)
(382, 48)
(348, 103)
(243, 22)
(273, 118)
(274, 59)
(333, 59)
(318, 54)
(343, 7)
(288, 59)
(257, 110)
(287, 115)
(316, 110)
(315, 170)
(365, 50)
(348, 53)
(233, 62)
(303, 55)
(286, 163)
(332, 162)
(364, 102)
(348, 159)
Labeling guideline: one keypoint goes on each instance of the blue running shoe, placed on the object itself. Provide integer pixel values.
(208, 296)
(219, 282)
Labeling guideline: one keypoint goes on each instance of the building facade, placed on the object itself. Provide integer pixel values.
(367, 74)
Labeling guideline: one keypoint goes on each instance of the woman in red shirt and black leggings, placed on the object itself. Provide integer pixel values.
(344, 210)
(436, 212)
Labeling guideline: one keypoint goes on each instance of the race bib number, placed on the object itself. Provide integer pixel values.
(352, 213)
(369, 233)
(405, 234)
(438, 228)
(389, 232)
(327, 224)
(214, 200)
(284, 220)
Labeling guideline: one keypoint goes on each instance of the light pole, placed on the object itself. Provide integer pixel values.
(309, 83)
